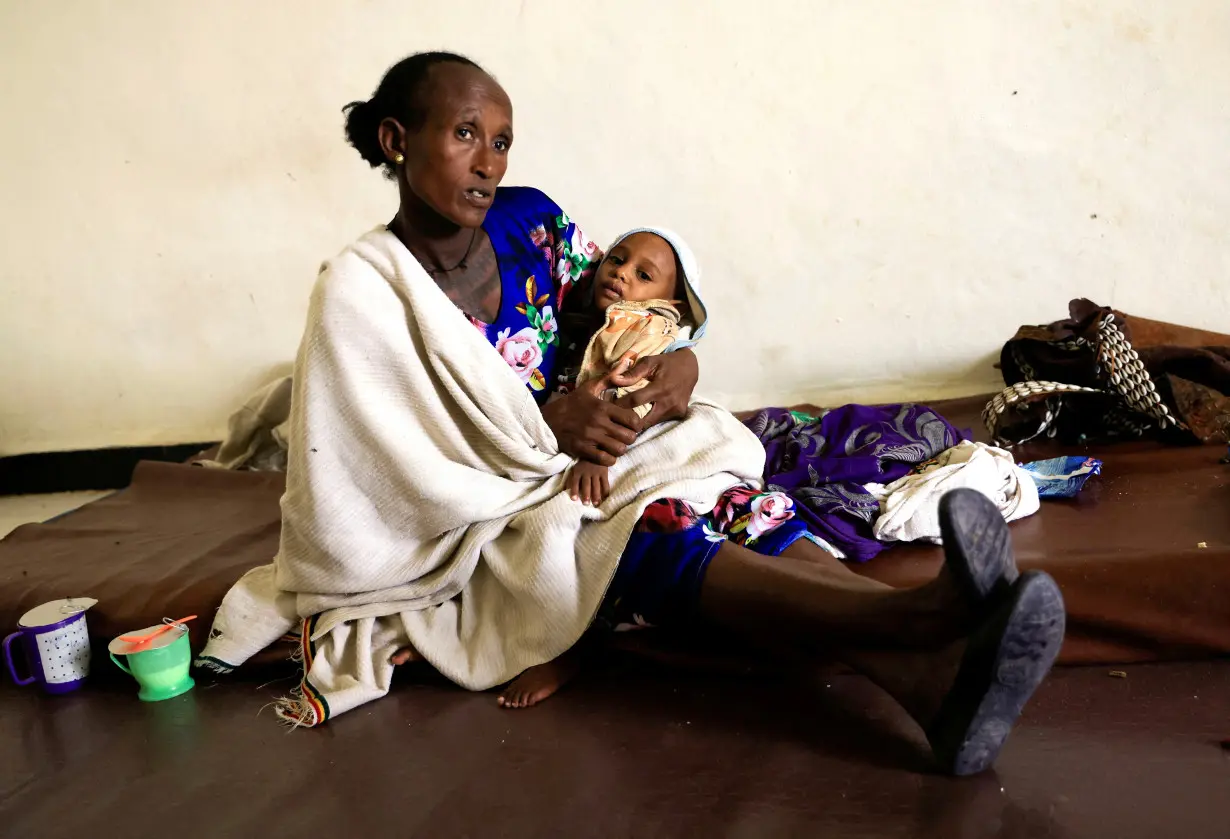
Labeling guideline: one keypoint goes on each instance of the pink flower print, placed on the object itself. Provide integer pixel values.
(583, 245)
(538, 236)
(769, 512)
(549, 324)
(727, 510)
(521, 351)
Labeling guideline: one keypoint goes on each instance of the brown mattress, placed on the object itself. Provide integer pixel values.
(1127, 552)
(1142, 554)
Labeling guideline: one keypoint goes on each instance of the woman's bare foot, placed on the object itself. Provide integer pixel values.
(537, 683)
(404, 656)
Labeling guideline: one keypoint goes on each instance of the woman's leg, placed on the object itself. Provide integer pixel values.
(805, 596)
(880, 650)
(961, 654)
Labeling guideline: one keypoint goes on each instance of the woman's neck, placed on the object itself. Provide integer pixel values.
(434, 241)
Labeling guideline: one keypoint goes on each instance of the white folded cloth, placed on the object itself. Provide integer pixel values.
(909, 507)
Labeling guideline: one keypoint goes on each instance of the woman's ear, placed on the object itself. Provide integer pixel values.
(392, 140)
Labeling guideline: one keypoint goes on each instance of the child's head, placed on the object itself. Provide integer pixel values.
(639, 267)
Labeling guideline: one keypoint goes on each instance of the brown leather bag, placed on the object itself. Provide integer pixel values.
(1103, 375)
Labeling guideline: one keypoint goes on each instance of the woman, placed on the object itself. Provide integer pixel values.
(962, 654)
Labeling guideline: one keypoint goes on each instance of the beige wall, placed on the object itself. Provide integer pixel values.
(879, 191)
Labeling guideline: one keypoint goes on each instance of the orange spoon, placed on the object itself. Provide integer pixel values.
(142, 640)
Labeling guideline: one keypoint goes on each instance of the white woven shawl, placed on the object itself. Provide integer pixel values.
(425, 499)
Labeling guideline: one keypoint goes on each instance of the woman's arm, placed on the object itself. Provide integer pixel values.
(672, 378)
(588, 428)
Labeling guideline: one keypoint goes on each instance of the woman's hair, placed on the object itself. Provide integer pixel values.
(400, 96)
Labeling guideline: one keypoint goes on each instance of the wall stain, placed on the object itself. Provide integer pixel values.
(1134, 31)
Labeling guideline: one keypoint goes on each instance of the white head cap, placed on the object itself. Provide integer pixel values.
(691, 282)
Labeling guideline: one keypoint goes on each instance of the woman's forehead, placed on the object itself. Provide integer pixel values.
(453, 88)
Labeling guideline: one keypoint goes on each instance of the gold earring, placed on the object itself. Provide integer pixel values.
(399, 159)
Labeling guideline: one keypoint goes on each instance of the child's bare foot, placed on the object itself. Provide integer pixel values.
(537, 683)
(404, 656)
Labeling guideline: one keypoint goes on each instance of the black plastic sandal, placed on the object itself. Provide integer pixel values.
(977, 546)
(1007, 658)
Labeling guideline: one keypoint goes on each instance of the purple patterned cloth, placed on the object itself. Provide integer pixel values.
(823, 463)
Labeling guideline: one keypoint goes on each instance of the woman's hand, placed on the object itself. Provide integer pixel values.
(672, 378)
(590, 429)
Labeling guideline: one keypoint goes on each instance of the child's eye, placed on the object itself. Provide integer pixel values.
(645, 277)
(616, 260)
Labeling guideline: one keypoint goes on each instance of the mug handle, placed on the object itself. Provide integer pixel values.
(8, 659)
(121, 666)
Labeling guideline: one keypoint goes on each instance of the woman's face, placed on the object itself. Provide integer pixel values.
(457, 158)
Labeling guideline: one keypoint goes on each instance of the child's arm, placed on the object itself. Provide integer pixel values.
(589, 483)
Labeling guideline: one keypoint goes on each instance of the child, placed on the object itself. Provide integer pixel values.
(645, 275)
(635, 292)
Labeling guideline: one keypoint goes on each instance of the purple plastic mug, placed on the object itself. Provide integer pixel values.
(56, 645)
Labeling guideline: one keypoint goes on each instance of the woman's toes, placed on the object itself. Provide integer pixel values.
(512, 699)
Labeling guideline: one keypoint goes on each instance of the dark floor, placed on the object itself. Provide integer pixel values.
(632, 750)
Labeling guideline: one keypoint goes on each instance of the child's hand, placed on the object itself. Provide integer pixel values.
(589, 482)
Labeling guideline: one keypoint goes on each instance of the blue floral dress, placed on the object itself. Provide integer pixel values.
(543, 256)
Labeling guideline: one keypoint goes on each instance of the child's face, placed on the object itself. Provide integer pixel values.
(640, 268)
